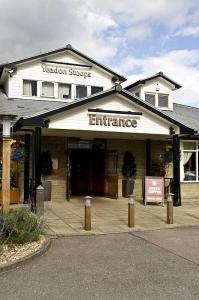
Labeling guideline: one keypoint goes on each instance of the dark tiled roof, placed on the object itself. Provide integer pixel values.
(26, 107)
(186, 114)
(159, 74)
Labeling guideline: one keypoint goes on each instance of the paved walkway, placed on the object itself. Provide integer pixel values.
(106, 267)
(110, 216)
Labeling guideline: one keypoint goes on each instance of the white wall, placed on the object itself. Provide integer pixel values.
(34, 71)
(78, 118)
(164, 88)
(150, 87)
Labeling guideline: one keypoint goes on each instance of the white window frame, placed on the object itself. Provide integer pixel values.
(43, 96)
(25, 79)
(157, 100)
(150, 93)
(81, 85)
(182, 159)
(70, 85)
(99, 86)
(162, 107)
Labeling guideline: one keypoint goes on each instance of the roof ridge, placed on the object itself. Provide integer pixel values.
(69, 48)
(159, 74)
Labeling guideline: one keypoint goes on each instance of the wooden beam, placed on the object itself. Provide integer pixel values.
(148, 157)
(6, 175)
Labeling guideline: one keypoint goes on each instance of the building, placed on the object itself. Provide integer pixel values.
(76, 108)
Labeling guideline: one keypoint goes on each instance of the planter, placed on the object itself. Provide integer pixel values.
(127, 187)
(14, 196)
(47, 185)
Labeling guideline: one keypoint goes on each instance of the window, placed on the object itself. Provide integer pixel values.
(163, 100)
(29, 88)
(96, 89)
(150, 98)
(81, 91)
(64, 91)
(47, 89)
(190, 160)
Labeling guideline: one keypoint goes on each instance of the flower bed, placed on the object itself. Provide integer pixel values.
(13, 253)
(20, 235)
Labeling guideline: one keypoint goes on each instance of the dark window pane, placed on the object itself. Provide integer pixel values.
(81, 91)
(96, 89)
(150, 98)
(189, 162)
(163, 100)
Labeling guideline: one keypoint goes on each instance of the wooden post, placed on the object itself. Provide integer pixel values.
(6, 175)
(148, 157)
(87, 225)
(131, 211)
(170, 209)
(40, 201)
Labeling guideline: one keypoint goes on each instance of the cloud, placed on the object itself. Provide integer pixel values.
(29, 27)
(188, 31)
(181, 65)
(107, 30)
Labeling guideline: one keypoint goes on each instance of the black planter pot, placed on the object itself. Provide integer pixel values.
(47, 185)
(127, 187)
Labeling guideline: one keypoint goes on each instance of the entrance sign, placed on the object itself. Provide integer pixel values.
(115, 121)
(154, 189)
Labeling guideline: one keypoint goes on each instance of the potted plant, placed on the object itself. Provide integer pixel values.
(46, 170)
(129, 172)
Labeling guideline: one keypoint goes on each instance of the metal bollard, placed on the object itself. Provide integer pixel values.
(87, 225)
(131, 211)
(170, 208)
(40, 200)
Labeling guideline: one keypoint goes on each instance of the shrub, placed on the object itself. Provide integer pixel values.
(19, 226)
(129, 165)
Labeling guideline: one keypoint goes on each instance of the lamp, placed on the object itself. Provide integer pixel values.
(6, 128)
(6, 122)
(171, 131)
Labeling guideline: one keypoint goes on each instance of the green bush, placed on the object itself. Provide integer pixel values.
(129, 165)
(19, 226)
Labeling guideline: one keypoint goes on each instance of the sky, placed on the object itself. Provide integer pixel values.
(136, 38)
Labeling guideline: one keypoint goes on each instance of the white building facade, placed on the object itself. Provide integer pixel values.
(75, 108)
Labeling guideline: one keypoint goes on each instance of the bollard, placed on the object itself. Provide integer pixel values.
(170, 208)
(40, 200)
(87, 226)
(131, 211)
